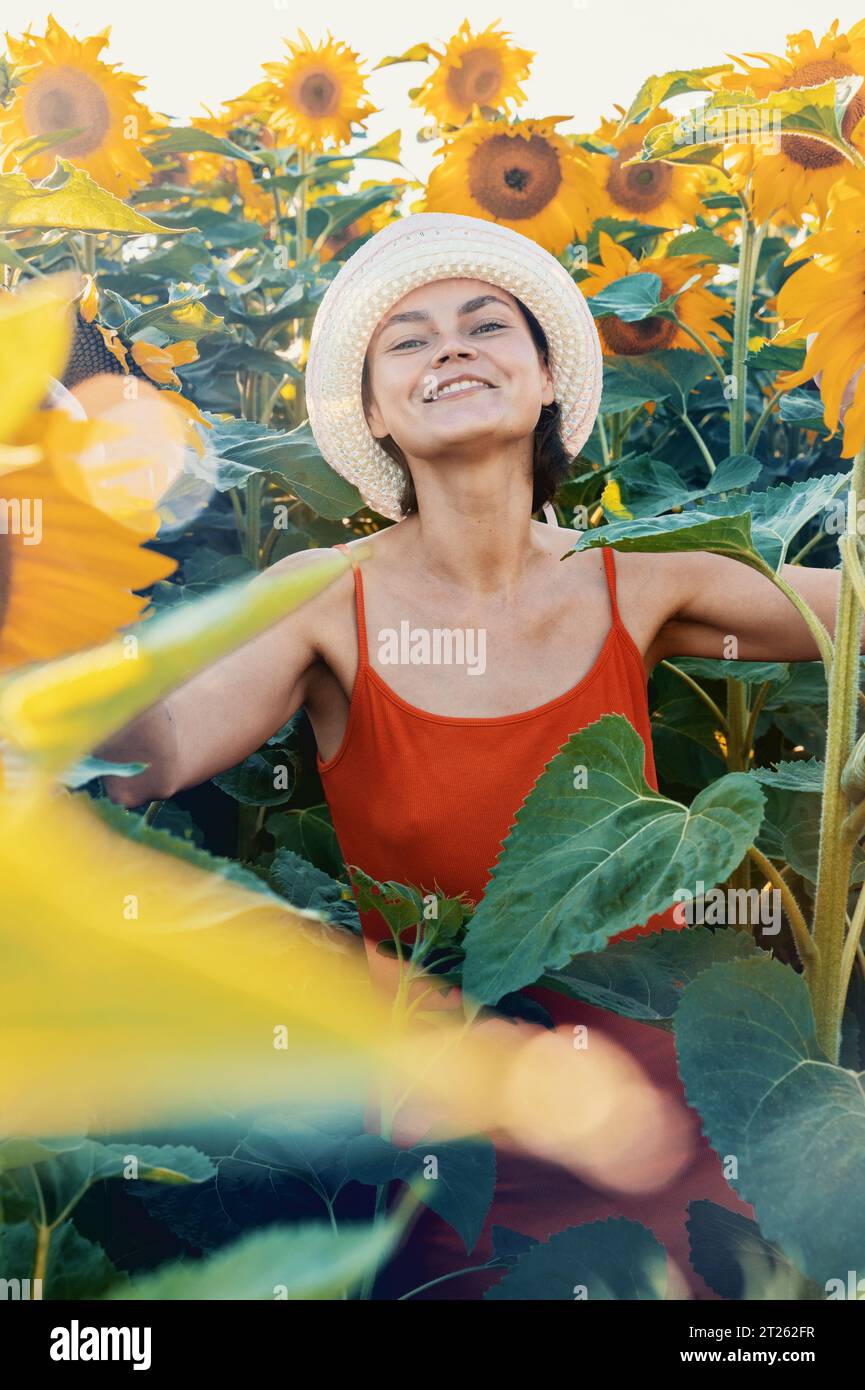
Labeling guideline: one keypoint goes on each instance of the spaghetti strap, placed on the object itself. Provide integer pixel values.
(362, 658)
(610, 566)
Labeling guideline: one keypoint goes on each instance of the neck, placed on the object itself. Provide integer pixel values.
(473, 527)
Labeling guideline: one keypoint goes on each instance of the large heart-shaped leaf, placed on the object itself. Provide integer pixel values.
(455, 1179)
(78, 204)
(295, 458)
(736, 1260)
(644, 979)
(769, 1097)
(285, 1262)
(599, 1261)
(76, 1269)
(670, 373)
(593, 855)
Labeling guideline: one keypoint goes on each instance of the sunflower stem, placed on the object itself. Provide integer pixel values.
(698, 440)
(300, 210)
(825, 976)
(752, 237)
(758, 428)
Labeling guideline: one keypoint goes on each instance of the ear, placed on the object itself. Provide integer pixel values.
(548, 394)
(375, 421)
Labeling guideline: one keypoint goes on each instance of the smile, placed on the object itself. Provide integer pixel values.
(461, 387)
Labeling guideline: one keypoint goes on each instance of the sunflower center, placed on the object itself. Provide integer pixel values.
(477, 79)
(318, 94)
(638, 188)
(645, 335)
(512, 177)
(63, 100)
(814, 154)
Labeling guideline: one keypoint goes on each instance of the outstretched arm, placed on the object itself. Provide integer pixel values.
(711, 599)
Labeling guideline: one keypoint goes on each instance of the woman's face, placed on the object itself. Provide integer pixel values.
(444, 333)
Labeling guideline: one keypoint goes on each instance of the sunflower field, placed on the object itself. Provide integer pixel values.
(177, 1125)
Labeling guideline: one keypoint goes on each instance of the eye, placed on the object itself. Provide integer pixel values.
(406, 342)
(489, 323)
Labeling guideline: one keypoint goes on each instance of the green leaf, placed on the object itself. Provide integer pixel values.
(669, 374)
(77, 1268)
(308, 832)
(308, 1261)
(706, 244)
(816, 112)
(134, 827)
(644, 979)
(24, 1152)
(266, 778)
(631, 298)
(189, 140)
(757, 529)
(294, 457)
(803, 408)
(185, 317)
(78, 204)
(748, 672)
(308, 888)
(650, 487)
(88, 769)
(737, 470)
(779, 513)
(454, 1178)
(600, 1261)
(656, 90)
(768, 1096)
(729, 535)
(62, 709)
(804, 776)
(585, 862)
(66, 1177)
(729, 1252)
(772, 358)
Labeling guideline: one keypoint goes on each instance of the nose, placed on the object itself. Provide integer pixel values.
(452, 347)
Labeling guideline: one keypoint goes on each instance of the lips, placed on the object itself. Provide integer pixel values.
(460, 386)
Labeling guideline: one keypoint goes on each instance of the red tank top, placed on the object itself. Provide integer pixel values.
(427, 799)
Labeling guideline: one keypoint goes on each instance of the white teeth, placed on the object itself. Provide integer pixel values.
(462, 385)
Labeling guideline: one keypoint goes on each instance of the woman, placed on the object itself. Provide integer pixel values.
(454, 370)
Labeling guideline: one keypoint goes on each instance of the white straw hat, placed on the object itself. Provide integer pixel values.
(402, 256)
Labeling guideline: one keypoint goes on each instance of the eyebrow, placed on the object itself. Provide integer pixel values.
(421, 316)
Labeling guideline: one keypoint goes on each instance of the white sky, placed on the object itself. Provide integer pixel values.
(589, 53)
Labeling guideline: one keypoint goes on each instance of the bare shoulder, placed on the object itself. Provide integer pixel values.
(652, 588)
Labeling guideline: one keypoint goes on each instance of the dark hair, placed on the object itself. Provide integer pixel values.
(550, 460)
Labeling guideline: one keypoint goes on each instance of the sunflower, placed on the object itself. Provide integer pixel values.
(784, 183)
(660, 193)
(475, 69)
(520, 174)
(822, 301)
(65, 85)
(316, 94)
(697, 306)
(67, 569)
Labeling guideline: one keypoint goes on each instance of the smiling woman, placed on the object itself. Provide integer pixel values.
(453, 365)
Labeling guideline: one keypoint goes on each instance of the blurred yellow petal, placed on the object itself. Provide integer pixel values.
(60, 711)
(69, 569)
(156, 362)
(89, 302)
(35, 334)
